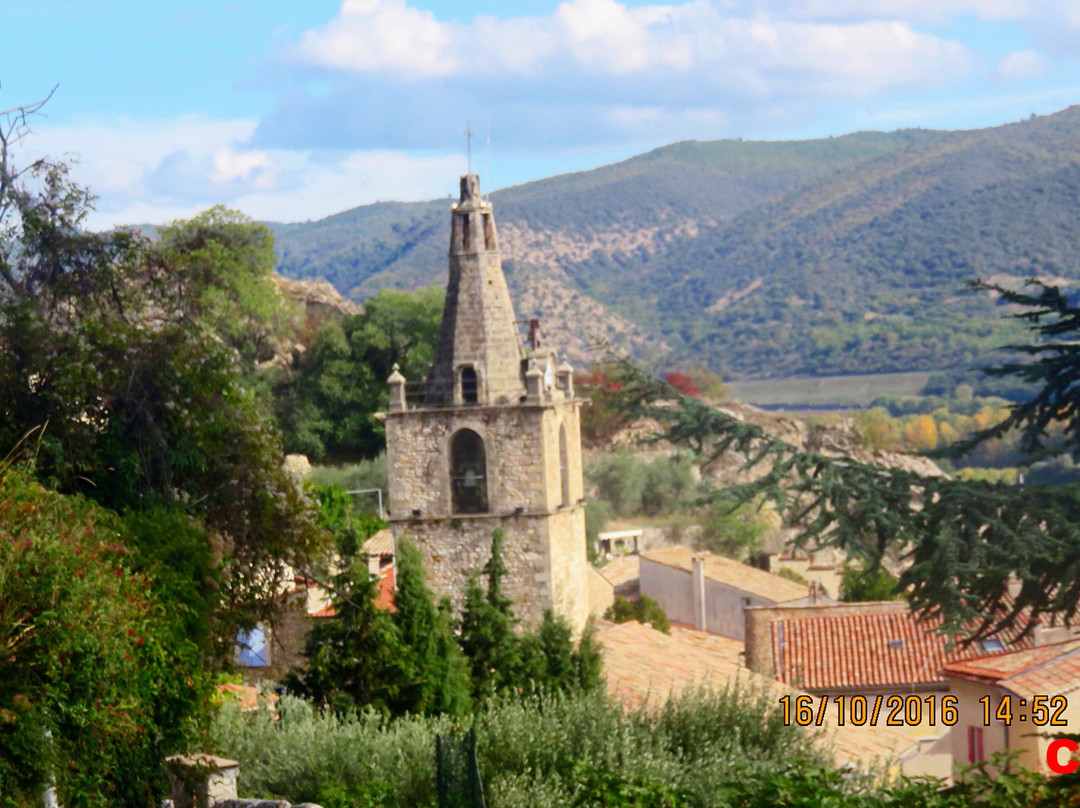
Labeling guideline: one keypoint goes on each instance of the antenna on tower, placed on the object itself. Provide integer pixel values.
(468, 145)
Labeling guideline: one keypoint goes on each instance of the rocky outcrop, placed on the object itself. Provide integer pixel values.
(319, 298)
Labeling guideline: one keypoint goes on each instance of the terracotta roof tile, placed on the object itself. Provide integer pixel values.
(873, 649)
(644, 666)
(384, 594)
(726, 571)
(621, 570)
(381, 543)
(1047, 670)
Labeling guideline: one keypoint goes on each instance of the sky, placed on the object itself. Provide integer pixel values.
(290, 111)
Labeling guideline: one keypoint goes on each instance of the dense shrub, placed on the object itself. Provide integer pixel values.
(643, 610)
(531, 751)
(99, 678)
(732, 530)
(705, 750)
(860, 585)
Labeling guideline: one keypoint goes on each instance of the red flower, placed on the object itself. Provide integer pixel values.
(131, 631)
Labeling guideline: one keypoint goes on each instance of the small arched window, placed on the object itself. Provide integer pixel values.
(470, 387)
(468, 473)
(564, 466)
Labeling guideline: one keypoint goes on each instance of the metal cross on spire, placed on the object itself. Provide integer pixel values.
(468, 145)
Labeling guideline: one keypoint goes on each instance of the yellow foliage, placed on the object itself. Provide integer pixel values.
(946, 434)
(921, 433)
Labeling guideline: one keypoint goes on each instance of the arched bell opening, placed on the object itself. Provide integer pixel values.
(468, 473)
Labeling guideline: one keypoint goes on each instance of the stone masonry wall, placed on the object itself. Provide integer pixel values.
(545, 547)
(418, 452)
(454, 548)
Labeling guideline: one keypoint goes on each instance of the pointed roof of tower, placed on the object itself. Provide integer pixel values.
(479, 357)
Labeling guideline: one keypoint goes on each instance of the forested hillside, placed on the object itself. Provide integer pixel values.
(840, 255)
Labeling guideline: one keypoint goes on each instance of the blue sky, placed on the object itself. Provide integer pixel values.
(292, 111)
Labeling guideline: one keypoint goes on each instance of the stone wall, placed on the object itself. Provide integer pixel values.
(545, 538)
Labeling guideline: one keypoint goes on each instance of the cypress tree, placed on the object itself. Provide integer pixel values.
(487, 629)
(435, 673)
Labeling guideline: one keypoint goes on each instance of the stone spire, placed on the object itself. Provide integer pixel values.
(479, 357)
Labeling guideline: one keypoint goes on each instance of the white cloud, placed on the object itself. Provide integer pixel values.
(116, 158)
(589, 41)
(371, 35)
(1025, 64)
(156, 171)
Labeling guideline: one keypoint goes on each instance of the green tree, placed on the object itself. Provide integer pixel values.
(732, 529)
(505, 661)
(354, 659)
(487, 635)
(134, 400)
(668, 483)
(859, 585)
(598, 512)
(435, 673)
(227, 261)
(620, 478)
(329, 408)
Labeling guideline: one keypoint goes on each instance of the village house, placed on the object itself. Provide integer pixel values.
(644, 667)
(711, 592)
(855, 651)
(1017, 701)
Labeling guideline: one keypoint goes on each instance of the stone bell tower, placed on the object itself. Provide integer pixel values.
(490, 440)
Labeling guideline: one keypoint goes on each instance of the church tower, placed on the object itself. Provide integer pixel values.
(490, 440)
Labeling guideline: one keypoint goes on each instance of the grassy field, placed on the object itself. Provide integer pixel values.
(827, 391)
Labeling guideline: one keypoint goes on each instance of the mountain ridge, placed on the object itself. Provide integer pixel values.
(761, 258)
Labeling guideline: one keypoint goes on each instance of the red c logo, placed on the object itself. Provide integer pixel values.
(1052, 757)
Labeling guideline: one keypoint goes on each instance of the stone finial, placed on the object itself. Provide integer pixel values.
(201, 781)
(470, 189)
(397, 389)
(564, 378)
(534, 386)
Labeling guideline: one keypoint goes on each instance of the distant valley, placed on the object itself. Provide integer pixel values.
(838, 256)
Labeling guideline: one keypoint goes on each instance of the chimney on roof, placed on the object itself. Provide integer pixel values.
(697, 584)
(815, 592)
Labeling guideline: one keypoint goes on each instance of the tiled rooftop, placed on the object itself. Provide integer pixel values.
(644, 666)
(725, 571)
(381, 543)
(1047, 670)
(621, 570)
(879, 649)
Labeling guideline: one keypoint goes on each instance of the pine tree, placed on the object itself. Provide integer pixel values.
(354, 658)
(505, 661)
(968, 541)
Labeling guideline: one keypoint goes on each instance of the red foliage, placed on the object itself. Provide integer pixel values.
(597, 379)
(683, 383)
